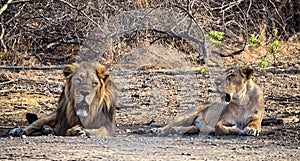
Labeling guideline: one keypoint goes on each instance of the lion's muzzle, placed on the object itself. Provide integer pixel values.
(227, 97)
(82, 109)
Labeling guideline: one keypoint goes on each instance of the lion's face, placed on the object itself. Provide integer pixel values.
(85, 84)
(86, 81)
(233, 81)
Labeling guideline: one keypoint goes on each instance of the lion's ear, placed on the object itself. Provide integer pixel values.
(247, 72)
(69, 69)
(102, 73)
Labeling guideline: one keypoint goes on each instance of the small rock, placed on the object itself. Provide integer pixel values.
(128, 131)
(187, 154)
(23, 136)
(140, 131)
(144, 85)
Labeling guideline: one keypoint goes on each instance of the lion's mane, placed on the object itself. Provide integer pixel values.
(103, 103)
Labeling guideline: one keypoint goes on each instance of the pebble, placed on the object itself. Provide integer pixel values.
(140, 130)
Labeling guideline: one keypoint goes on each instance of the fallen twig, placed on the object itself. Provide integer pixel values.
(11, 90)
(10, 81)
(31, 67)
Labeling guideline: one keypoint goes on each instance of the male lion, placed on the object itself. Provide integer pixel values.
(240, 111)
(85, 107)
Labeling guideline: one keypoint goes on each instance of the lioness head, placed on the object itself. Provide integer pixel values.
(86, 82)
(233, 81)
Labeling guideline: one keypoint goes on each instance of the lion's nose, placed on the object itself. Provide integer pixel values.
(84, 93)
(218, 83)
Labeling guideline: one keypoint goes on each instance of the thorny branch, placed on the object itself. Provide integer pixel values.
(4, 7)
(80, 10)
(52, 32)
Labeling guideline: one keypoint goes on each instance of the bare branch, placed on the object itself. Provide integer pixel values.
(4, 7)
(1, 38)
(80, 10)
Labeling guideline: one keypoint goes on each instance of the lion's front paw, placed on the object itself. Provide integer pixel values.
(250, 131)
(78, 131)
(47, 130)
(175, 130)
(17, 132)
(156, 132)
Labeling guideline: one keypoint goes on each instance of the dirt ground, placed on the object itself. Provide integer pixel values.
(157, 92)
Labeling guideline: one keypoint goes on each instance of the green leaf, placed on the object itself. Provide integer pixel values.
(193, 59)
(216, 35)
(273, 48)
(202, 71)
(275, 32)
(253, 40)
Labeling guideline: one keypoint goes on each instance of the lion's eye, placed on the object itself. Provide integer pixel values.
(230, 76)
(94, 84)
(78, 80)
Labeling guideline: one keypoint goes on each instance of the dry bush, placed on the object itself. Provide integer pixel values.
(52, 31)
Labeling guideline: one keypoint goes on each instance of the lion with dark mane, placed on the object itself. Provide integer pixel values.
(86, 105)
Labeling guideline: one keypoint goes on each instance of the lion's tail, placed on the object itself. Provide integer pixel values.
(31, 117)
